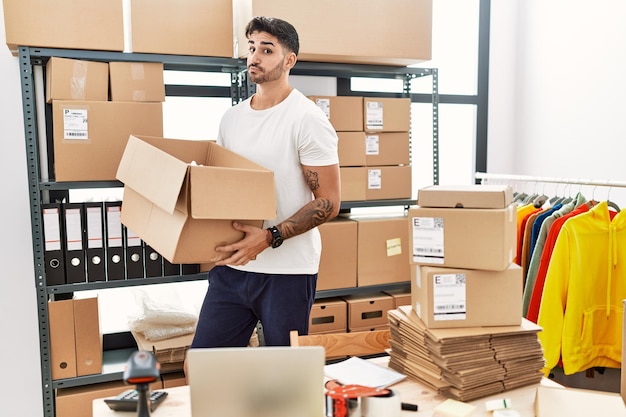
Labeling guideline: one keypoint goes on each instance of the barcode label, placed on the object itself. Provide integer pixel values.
(428, 233)
(449, 297)
(75, 124)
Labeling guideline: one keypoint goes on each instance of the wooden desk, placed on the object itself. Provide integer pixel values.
(523, 400)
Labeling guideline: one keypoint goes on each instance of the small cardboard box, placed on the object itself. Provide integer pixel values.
(463, 238)
(373, 149)
(62, 340)
(202, 28)
(137, 81)
(167, 351)
(383, 243)
(88, 336)
(375, 183)
(74, 79)
(90, 136)
(387, 32)
(339, 254)
(386, 114)
(71, 24)
(400, 297)
(465, 196)
(345, 113)
(367, 311)
(453, 297)
(576, 402)
(329, 316)
(184, 211)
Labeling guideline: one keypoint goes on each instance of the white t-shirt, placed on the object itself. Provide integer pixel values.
(295, 132)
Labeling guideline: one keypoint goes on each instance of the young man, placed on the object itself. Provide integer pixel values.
(272, 273)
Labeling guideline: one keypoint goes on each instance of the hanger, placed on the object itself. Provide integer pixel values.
(610, 203)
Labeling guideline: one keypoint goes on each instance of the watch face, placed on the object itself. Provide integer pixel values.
(277, 241)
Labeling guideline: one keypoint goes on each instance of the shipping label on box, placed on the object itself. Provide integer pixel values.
(345, 113)
(386, 114)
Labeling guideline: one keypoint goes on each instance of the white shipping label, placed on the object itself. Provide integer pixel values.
(374, 115)
(428, 240)
(75, 124)
(449, 297)
(73, 229)
(324, 104)
(372, 145)
(374, 179)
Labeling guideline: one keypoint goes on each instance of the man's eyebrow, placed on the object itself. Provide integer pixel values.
(251, 42)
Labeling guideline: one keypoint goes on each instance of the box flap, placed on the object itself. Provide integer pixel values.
(227, 185)
(151, 170)
(465, 196)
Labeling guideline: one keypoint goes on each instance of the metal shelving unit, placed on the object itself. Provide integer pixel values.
(241, 88)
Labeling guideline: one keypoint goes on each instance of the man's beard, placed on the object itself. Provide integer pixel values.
(265, 76)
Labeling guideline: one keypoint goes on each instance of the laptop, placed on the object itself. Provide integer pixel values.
(265, 381)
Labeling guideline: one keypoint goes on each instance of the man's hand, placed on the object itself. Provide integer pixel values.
(246, 249)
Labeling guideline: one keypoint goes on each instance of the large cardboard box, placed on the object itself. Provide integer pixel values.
(463, 238)
(453, 297)
(382, 114)
(345, 113)
(137, 81)
(465, 196)
(88, 336)
(374, 149)
(575, 402)
(75, 79)
(339, 254)
(62, 340)
(329, 316)
(183, 27)
(388, 32)
(71, 24)
(375, 183)
(185, 210)
(383, 246)
(90, 136)
(367, 311)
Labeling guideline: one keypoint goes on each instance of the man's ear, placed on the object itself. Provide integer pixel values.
(290, 60)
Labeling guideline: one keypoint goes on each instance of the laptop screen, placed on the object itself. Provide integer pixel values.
(256, 381)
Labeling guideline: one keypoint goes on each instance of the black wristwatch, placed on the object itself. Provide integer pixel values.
(277, 239)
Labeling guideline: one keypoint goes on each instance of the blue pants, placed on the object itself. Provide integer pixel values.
(236, 300)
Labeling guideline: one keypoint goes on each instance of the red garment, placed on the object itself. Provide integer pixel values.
(535, 298)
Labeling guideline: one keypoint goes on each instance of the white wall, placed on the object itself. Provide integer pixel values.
(557, 90)
(20, 384)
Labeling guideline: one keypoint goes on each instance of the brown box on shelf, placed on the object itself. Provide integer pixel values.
(137, 81)
(400, 297)
(166, 202)
(88, 336)
(465, 196)
(453, 297)
(383, 244)
(387, 32)
(166, 351)
(202, 28)
(90, 136)
(62, 340)
(70, 24)
(375, 183)
(373, 149)
(368, 310)
(463, 238)
(329, 316)
(75, 79)
(344, 112)
(78, 401)
(384, 114)
(339, 254)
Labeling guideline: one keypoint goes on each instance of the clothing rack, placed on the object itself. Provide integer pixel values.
(554, 180)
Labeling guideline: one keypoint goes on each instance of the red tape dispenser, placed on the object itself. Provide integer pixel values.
(354, 400)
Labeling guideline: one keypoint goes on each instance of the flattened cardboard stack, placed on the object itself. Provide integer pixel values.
(465, 363)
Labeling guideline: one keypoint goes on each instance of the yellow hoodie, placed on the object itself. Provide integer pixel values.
(581, 307)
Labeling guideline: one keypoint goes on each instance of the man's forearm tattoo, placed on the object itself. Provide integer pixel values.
(313, 214)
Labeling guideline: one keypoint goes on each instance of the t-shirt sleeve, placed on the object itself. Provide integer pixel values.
(317, 140)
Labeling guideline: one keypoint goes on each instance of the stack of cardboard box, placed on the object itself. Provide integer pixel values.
(463, 333)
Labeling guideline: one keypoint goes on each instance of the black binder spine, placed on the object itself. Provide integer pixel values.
(114, 240)
(74, 220)
(96, 258)
(134, 254)
(153, 260)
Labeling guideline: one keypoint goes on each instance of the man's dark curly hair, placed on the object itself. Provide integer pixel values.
(284, 31)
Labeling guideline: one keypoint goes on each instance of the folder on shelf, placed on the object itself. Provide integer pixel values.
(114, 241)
(62, 339)
(133, 248)
(54, 257)
(74, 221)
(94, 224)
(170, 269)
(190, 269)
(153, 261)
